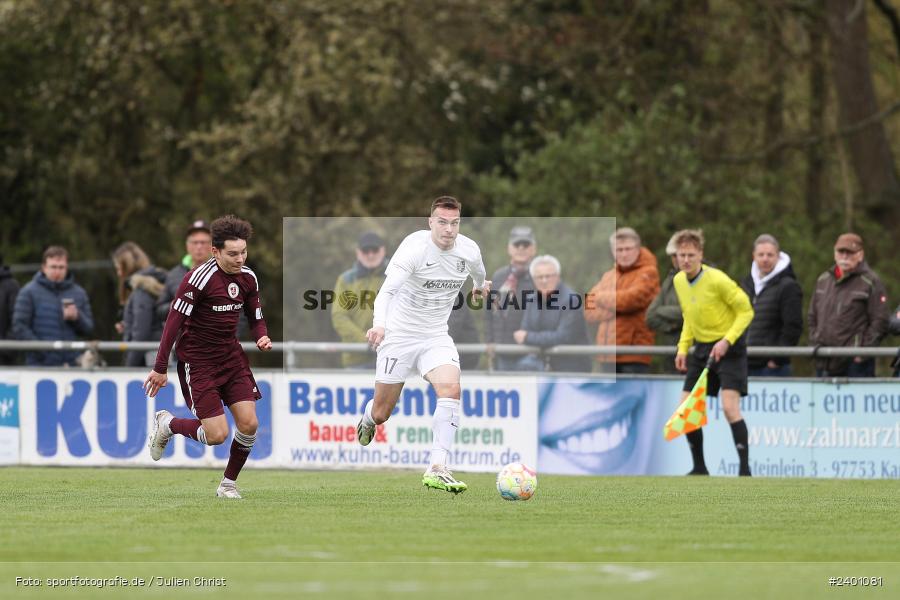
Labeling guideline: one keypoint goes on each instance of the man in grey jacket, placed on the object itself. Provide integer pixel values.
(554, 316)
(848, 308)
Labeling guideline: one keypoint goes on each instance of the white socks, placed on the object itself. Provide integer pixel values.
(367, 414)
(446, 421)
(444, 426)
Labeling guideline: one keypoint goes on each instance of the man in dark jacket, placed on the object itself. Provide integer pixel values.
(9, 289)
(505, 309)
(554, 316)
(894, 323)
(52, 307)
(894, 329)
(777, 306)
(848, 308)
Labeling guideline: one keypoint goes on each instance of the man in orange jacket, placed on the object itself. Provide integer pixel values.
(620, 299)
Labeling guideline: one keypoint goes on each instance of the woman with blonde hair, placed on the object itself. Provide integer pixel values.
(140, 285)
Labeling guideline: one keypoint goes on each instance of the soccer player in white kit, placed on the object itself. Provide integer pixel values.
(409, 330)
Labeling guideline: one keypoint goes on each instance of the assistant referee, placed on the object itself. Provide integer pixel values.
(716, 312)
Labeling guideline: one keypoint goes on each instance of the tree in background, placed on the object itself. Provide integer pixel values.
(123, 120)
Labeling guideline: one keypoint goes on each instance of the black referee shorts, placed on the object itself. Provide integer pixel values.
(730, 373)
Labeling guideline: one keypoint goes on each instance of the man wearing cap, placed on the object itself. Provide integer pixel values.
(506, 307)
(198, 243)
(848, 308)
(355, 291)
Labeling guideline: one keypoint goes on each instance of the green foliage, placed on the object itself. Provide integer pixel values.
(125, 121)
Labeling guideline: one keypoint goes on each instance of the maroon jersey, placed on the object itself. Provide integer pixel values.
(205, 311)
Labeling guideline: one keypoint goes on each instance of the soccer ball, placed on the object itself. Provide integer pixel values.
(515, 481)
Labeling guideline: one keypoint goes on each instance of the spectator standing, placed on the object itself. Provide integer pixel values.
(848, 308)
(554, 316)
(894, 329)
(140, 286)
(198, 244)
(664, 314)
(777, 306)
(355, 291)
(620, 300)
(52, 307)
(9, 289)
(894, 322)
(505, 308)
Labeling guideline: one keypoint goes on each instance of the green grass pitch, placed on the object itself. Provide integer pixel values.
(381, 535)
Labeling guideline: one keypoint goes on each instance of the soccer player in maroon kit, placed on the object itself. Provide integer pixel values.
(212, 367)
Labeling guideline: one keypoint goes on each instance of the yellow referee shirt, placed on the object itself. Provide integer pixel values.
(714, 307)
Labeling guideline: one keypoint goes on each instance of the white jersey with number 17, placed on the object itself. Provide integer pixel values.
(421, 285)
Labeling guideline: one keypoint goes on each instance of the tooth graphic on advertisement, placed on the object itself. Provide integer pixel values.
(602, 437)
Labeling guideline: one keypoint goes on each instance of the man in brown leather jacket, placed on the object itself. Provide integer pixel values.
(848, 308)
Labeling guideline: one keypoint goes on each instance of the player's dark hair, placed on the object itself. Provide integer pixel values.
(227, 228)
(54, 252)
(448, 202)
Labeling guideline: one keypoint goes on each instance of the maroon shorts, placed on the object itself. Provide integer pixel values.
(207, 387)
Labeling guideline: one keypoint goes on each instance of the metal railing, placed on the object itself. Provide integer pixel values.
(292, 348)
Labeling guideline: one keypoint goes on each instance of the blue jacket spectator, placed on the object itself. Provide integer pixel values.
(554, 316)
(52, 307)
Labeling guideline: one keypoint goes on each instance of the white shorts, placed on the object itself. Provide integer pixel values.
(398, 356)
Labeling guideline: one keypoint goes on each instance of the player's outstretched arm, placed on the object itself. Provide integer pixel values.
(155, 381)
(264, 343)
(181, 308)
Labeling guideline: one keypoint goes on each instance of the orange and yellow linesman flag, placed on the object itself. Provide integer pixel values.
(690, 414)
